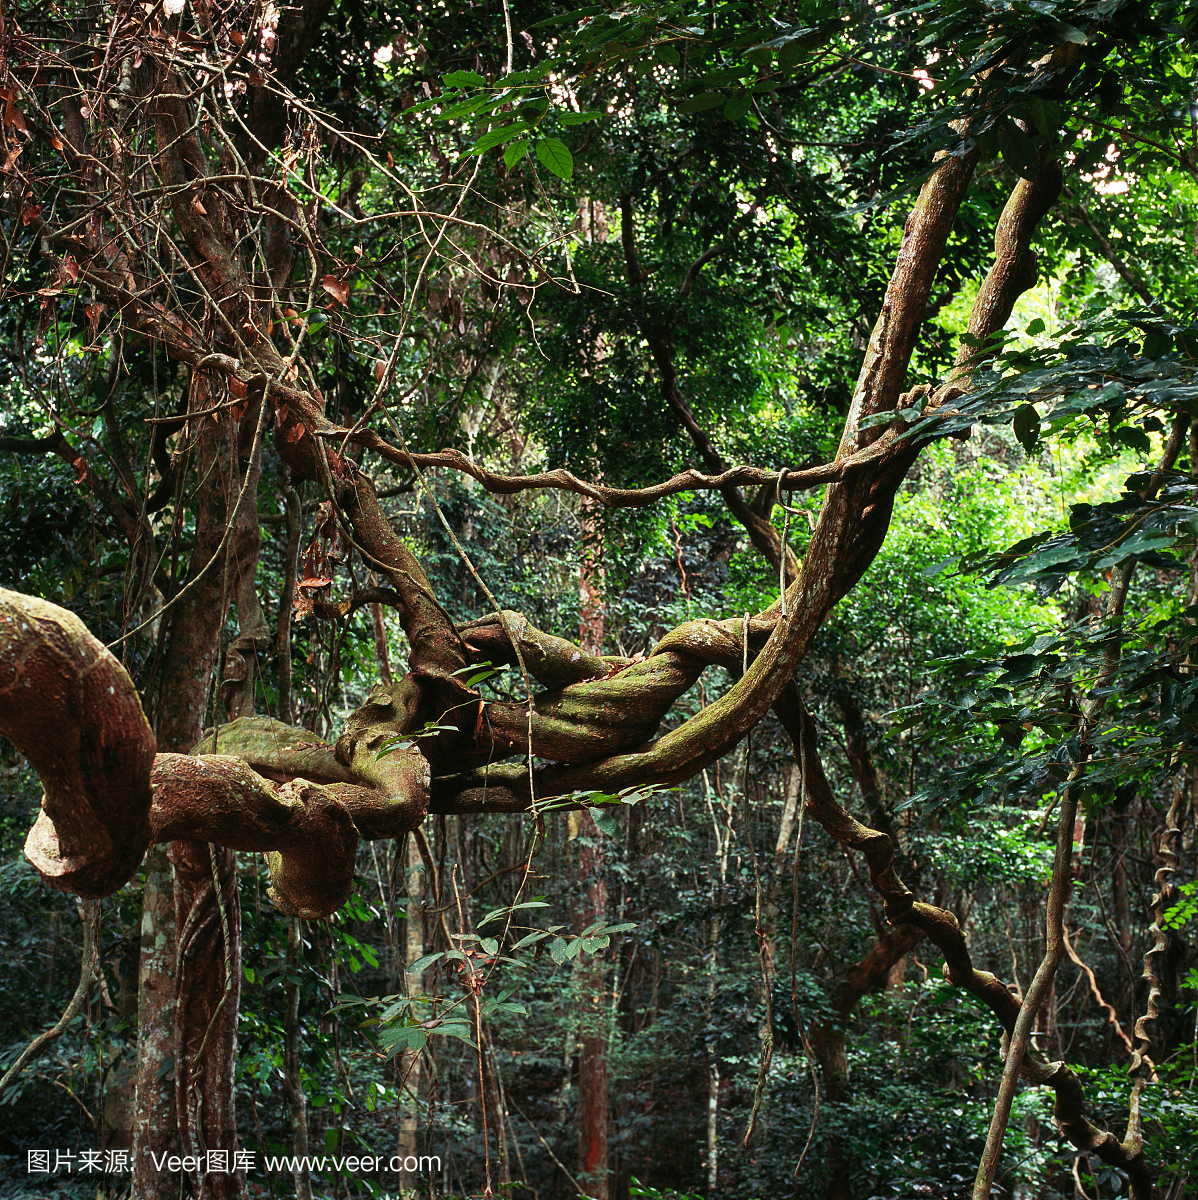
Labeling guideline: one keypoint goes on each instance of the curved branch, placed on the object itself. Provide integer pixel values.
(691, 480)
(942, 927)
(70, 708)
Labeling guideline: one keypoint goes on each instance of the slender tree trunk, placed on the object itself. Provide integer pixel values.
(492, 1092)
(155, 1126)
(883, 968)
(208, 993)
(713, 1063)
(293, 1079)
(721, 827)
(1121, 908)
(786, 829)
(382, 653)
(410, 1061)
(592, 998)
(591, 973)
(51, 949)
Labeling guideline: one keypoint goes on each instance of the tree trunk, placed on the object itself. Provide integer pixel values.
(410, 1061)
(591, 972)
(155, 1127)
(293, 1079)
(208, 991)
(591, 977)
(713, 1063)
(181, 697)
(871, 974)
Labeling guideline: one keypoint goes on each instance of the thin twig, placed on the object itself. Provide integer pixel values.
(91, 929)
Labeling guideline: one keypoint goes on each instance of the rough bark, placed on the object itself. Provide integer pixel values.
(72, 710)
(184, 687)
(410, 1070)
(207, 993)
(155, 1126)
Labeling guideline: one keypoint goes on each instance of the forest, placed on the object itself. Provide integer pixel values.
(598, 602)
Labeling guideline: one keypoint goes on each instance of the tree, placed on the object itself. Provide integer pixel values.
(185, 209)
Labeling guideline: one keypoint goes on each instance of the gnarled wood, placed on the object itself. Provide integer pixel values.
(70, 708)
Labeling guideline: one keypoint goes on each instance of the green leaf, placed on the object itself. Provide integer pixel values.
(604, 822)
(533, 76)
(403, 1037)
(533, 938)
(1017, 150)
(422, 964)
(1068, 33)
(465, 108)
(567, 18)
(738, 106)
(463, 79)
(456, 1029)
(1136, 438)
(580, 118)
(1035, 327)
(791, 55)
(555, 156)
(495, 1004)
(533, 110)
(1157, 343)
(480, 677)
(496, 137)
(514, 153)
(496, 913)
(667, 54)
(391, 745)
(1047, 117)
(703, 100)
(1027, 426)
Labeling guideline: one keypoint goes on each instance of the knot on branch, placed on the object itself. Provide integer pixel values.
(69, 706)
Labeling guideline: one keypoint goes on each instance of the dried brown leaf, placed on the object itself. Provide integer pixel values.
(336, 288)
